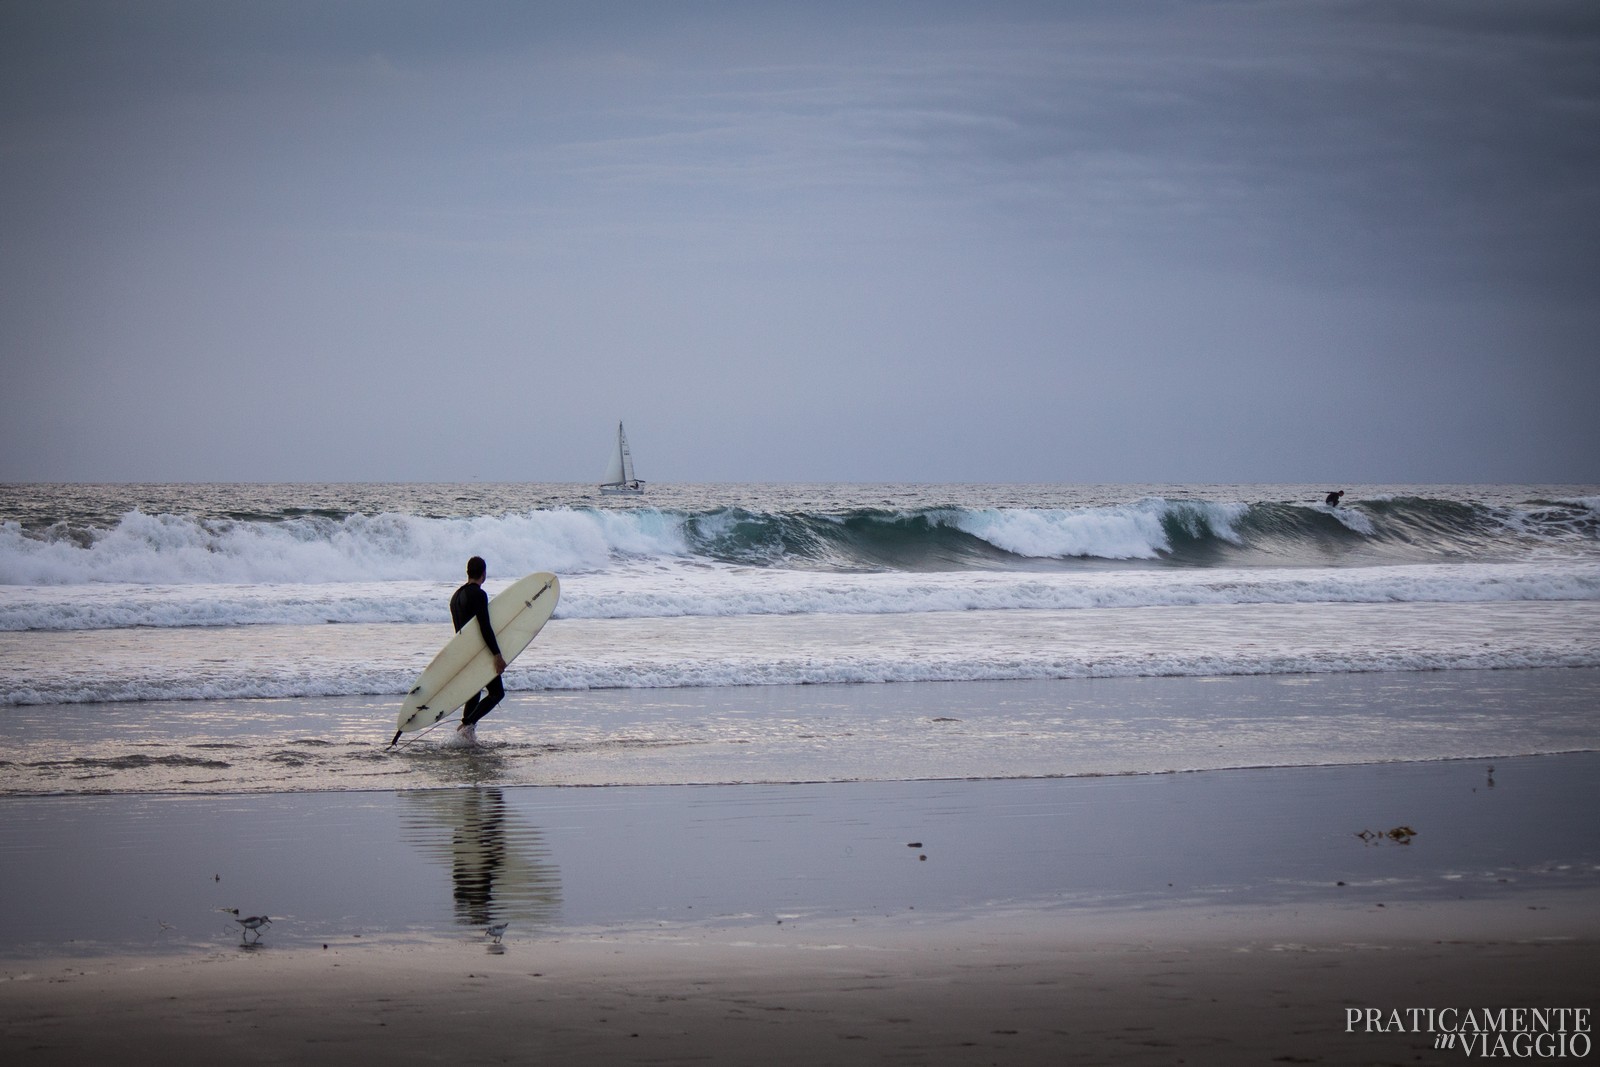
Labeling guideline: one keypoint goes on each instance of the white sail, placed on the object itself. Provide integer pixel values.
(617, 468)
(619, 476)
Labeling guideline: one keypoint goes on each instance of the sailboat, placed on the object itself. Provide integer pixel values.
(619, 475)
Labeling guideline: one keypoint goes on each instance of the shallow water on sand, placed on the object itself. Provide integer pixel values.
(779, 734)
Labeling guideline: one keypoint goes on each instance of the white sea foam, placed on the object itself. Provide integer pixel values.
(168, 550)
(654, 589)
(1200, 640)
(1353, 519)
(1132, 531)
(729, 592)
(158, 606)
(173, 550)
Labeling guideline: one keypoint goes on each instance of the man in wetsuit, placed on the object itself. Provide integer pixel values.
(471, 602)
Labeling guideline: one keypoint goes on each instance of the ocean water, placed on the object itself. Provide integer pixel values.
(258, 638)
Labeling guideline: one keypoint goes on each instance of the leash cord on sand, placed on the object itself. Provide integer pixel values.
(419, 735)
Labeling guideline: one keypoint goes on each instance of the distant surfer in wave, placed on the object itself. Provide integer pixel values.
(1333, 498)
(471, 602)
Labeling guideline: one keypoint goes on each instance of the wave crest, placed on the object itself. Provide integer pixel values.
(309, 548)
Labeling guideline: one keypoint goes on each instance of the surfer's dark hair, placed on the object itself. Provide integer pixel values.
(476, 567)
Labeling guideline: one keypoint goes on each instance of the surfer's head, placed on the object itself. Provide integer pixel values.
(477, 569)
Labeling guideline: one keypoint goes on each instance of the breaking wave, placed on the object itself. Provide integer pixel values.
(300, 548)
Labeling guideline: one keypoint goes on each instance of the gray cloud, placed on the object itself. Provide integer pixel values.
(1159, 241)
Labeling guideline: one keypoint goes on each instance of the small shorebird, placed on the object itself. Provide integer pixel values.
(252, 924)
(497, 931)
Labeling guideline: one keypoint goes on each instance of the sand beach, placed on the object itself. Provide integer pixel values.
(1216, 917)
(1271, 987)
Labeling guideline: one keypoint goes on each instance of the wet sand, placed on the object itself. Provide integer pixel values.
(1219, 917)
(1270, 986)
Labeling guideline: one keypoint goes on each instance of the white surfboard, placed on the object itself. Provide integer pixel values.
(465, 665)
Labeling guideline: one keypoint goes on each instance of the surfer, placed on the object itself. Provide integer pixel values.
(1333, 498)
(471, 602)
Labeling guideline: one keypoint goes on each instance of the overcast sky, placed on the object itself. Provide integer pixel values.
(1320, 240)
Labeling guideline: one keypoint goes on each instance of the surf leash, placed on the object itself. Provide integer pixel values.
(418, 735)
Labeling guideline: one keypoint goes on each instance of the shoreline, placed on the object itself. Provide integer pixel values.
(911, 731)
(488, 747)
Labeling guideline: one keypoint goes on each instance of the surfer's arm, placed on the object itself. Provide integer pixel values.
(485, 628)
(488, 639)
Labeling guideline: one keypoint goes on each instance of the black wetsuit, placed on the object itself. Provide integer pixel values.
(471, 602)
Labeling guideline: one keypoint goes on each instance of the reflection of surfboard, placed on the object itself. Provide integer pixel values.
(465, 665)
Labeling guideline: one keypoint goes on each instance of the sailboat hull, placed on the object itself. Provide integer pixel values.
(622, 490)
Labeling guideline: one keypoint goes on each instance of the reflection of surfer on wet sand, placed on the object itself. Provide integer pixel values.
(500, 869)
(478, 852)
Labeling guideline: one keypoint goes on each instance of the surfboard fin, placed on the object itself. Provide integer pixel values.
(396, 740)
